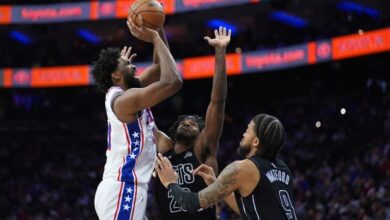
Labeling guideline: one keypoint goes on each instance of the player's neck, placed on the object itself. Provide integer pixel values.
(181, 147)
(121, 85)
(251, 153)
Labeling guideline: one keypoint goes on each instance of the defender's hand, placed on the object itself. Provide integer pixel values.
(222, 38)
(165, 171)
(142, 32)
(126, 55)
(206, 172)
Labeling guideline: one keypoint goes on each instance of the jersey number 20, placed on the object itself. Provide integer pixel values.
(173, 206)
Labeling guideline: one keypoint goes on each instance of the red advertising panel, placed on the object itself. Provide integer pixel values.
(7, 78)
(60, 76)
(169, 6)
(361, 44)
(101, 10)
(201, 67)
(122, 8)
(5, 14)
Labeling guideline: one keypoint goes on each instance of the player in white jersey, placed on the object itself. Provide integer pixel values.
(131, 149)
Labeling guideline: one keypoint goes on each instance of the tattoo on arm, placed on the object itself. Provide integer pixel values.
(222, 187)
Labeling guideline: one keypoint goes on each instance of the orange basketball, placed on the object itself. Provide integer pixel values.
(151, 11)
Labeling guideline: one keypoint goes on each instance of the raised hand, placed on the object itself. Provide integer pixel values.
(141, 32)
(126, 55)
(165, 171)
(206, 172)
(222, 38)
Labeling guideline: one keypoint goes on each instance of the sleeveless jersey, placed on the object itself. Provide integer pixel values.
(272, 197)
(131, 148)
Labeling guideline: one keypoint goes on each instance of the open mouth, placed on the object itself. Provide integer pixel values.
(133, 72)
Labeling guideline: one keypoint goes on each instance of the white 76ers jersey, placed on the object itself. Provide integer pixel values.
(131, 148)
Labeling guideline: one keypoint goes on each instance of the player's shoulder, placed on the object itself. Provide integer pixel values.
(112, 93)
(113, 90)
(242, 170)
(245, 166)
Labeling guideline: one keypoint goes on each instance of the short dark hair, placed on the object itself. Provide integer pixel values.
(172, 130)
(104, 66)
(271, 133)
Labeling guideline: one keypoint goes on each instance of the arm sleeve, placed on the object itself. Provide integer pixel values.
(187, 200)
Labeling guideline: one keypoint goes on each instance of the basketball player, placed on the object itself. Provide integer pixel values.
(131, 148)
(195, 141)
(259, 187)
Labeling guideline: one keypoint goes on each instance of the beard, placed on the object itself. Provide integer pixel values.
(184, 137)
(242, 151)
(132, 81)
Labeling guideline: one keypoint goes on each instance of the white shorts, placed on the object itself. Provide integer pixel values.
(116, 200)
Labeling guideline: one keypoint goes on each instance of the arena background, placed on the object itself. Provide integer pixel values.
(321, 67)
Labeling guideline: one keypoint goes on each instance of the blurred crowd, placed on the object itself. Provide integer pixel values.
(53, 145)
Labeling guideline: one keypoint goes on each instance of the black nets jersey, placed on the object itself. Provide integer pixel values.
(272, 197)
(183, 163)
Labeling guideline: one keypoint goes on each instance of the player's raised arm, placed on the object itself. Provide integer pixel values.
(135, 99)
(211, 134)
(153, 72)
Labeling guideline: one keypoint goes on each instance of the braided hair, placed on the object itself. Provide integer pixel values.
(271, 133)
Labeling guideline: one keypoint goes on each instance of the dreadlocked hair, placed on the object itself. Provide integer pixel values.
(104, 66)
(172, 130)
(271, 133)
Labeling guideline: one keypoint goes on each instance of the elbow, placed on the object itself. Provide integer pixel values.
(177, 83)
(172, 85)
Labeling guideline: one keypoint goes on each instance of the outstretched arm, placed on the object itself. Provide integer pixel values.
(208, 175)
(211, 134)
(135, 99)
(226, 183)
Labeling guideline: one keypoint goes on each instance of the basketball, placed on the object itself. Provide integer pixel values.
(151, 11)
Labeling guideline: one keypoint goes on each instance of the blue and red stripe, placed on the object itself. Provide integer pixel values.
(134, 134)
(127, 174)
(109, 136)
(127, 200)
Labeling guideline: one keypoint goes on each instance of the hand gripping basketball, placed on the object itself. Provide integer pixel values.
(151, 11)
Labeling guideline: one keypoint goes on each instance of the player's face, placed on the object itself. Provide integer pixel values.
(187, 130)
(128, 70)
(248, 140)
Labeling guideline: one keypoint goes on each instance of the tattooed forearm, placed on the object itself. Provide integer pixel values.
(222, 187)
